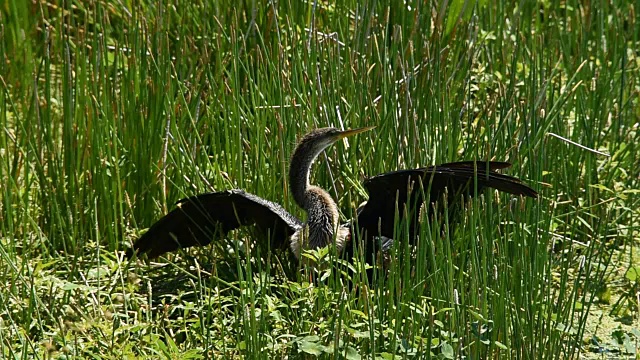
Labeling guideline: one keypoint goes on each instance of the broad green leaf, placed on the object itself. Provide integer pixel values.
(310, 347)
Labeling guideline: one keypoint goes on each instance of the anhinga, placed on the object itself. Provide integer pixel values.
(198, 219)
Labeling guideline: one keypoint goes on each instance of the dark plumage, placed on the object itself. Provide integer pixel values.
(200, 219)
(385, 189)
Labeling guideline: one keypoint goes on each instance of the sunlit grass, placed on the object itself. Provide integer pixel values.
(111, 112)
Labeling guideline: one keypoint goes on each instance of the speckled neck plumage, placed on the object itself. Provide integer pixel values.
(322, 211)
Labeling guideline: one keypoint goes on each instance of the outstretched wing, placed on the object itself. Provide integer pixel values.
(198, 219)
(399, 189)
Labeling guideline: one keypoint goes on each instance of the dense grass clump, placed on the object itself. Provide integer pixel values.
(110, 111)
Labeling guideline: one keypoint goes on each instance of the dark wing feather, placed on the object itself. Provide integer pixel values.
(198, 219)
(396, 190)
(482, 165)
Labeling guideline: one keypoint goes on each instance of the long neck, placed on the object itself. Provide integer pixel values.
(322, 211)
(299, 171)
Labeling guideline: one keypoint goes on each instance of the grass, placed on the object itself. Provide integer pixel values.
(112, 111)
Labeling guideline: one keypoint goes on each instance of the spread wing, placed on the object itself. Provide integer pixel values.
(399, 189)
(199, 219)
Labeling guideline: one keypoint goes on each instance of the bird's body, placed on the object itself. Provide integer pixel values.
(392, 196)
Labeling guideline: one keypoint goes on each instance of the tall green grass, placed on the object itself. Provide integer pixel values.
(112, 111)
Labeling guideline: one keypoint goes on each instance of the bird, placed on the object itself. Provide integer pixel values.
(393, 197)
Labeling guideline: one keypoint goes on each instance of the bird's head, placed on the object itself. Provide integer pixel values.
(319, 139)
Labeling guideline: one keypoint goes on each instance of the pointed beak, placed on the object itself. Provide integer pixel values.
(347, 133)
